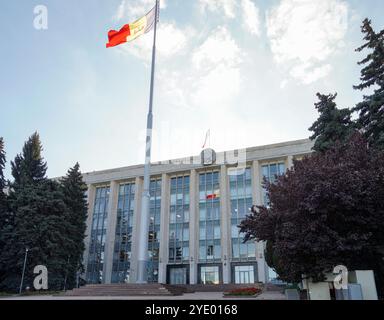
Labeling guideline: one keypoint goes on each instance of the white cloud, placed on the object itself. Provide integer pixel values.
(214, 78)
(251, 17)
(218, 48)
(135, 9)
(246, 11)
(217, 62)
(309, 74)
(228, 7)
(304, 34)
(283, 84)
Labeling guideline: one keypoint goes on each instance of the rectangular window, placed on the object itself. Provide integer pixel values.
(210, 275)
(154, 230)
(98, 232)
(270, 172)
(209, 216)
(123, 233)
(241, 202)
(179, 219)
(244, 274)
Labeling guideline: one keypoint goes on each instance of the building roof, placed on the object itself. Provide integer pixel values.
(261, 153)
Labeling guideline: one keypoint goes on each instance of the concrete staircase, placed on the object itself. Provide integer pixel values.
(121, 290)
(152, 289)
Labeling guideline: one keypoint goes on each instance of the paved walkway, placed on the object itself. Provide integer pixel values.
(187, 296)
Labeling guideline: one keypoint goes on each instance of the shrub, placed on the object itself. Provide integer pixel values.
(244, 292)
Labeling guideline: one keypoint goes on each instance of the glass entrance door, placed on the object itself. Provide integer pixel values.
(210, 275)
(178, 275)
(244, 274)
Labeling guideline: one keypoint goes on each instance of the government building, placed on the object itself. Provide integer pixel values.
(196, 206)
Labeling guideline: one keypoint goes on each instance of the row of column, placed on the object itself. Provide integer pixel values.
(164, 225)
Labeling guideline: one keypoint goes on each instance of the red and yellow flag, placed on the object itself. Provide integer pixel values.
(133, 30)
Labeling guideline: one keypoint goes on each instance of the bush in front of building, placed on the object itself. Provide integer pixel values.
(244, 292)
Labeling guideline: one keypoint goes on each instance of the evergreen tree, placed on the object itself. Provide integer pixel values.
(371, 109)
(3, 201)
(39, 219)
(332, 125)
(40, 224)
(74, 189)
(2, 179)
(29, 166)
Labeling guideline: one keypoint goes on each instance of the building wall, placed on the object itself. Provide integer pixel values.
(192, 263)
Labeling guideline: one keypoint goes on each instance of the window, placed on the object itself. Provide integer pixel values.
(209, 217)
(123, 233)
(98, 233)
(179, 219)
(244, 274)
(154, 230)
(270, 172)
(241, 202)
(210, 275)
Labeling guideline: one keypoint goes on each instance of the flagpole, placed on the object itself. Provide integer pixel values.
(142, 276)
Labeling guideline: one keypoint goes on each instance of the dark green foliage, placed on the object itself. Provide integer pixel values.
(2, 166)
(29, 166)
(74, 189)
(332, 125)
(371, 109)
(3, 200)
(40, 224)
(45, 216)
(327, 210)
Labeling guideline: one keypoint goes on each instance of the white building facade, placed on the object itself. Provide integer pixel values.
(196, 206)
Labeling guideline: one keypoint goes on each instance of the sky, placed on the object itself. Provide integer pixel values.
(247, 70)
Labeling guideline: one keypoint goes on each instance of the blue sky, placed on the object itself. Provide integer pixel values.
(248, 70)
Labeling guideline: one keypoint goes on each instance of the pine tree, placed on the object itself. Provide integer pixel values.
(74, 189)
(371, 109)
(3, 201)
(2, 178)
(40, 224)
(332, 125)
(39, 219)
(29, 166)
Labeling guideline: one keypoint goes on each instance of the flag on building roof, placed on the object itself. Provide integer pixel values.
(133, 30)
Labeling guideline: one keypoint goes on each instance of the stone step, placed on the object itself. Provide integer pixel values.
(124, 290)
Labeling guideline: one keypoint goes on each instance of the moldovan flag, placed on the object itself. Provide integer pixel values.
(133, 30)
(214, 195)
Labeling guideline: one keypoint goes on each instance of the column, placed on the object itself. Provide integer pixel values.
(164, 229)
(111, 230)
(91, 193)
(289, 162)
(225, 225)
(262, 268)
(193, 226)
(136, 226)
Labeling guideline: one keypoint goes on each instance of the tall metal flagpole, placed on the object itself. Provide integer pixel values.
(142, 276)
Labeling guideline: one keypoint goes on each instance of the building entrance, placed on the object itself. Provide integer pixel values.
(178, 276)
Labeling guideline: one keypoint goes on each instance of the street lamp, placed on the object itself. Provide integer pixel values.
(22, 277)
